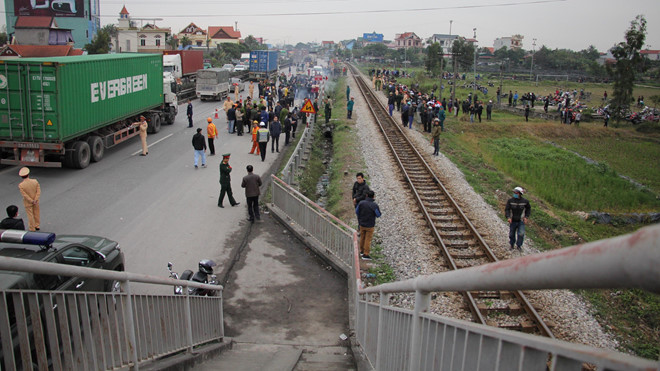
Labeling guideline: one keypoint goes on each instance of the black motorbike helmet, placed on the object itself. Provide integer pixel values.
(206, 266)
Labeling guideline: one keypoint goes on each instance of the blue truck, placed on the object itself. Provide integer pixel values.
(263, 63)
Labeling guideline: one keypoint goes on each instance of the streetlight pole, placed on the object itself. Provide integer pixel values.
(475, 60)
(531, 68)
(450, 22)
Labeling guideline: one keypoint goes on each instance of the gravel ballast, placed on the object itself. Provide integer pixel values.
(410, 250)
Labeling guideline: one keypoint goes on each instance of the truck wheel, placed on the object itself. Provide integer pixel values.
(81, 154)
(68, 156)
(154, 125)
(171, 115)
(96, 147)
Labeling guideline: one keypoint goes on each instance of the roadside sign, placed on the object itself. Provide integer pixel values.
(308, 107)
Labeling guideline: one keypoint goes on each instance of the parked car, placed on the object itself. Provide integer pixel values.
(75, 250)
(241, 67)
(229, 67)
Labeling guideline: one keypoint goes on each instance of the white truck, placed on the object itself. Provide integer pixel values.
(213, 84)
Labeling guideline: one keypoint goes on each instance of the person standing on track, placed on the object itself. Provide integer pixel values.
(349, 108)
(367, 211)
(360, 188)
(31, 192)
(435, 136)
(517, 212)
(390, 103)
(212, 133)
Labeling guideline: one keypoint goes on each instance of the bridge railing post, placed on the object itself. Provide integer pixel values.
(422, 304)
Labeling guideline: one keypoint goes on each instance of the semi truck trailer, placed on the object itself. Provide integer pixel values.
(67, 110)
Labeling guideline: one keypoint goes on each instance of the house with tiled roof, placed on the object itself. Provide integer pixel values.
(36, 30)
(653, 55)
(25, 51)
(197, 35)
(407, 40)
(146, 39)
(223, 34)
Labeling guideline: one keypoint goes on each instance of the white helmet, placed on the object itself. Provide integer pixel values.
(519, 190)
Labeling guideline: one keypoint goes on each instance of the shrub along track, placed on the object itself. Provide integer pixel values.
(458, 240)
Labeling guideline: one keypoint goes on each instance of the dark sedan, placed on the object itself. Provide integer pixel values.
(76, 250)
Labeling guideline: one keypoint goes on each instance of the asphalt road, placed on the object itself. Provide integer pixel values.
(158, 207)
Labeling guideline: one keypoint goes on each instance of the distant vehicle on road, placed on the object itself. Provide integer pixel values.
(229, 67)
(241, 67)
(212, 84)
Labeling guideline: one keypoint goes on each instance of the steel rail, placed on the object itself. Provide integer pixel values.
(375, 104)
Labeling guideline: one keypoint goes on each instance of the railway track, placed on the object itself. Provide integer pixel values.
(456, 237)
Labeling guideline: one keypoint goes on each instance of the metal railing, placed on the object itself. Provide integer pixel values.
(397, 339)
(289, 170)
(336, 236)
(425, 342)
(89, 330)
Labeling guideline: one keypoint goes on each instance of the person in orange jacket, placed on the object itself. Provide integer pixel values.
(255, 144)
(212, 132)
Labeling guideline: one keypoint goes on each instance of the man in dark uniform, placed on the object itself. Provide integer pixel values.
(515, 207)
(190, 113)
(225, 182)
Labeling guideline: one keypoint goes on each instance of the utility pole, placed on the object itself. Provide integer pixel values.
(450, 22)
(499, 97)
(531, 68)
(475, 60)
(453, 86)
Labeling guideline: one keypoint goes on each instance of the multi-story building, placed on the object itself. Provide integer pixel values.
(147, 39)
(82, 17)
(445, 41)
(513, 42)
(407, 40)
(196, 35)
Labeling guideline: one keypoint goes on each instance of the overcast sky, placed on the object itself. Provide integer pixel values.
(573, 24)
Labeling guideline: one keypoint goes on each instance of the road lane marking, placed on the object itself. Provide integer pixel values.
(154, 143)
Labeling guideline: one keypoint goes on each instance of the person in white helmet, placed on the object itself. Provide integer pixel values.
(517, 212)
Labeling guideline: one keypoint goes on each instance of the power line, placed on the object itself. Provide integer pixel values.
(350, 12)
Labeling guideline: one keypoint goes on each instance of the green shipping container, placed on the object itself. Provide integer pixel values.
(56, 99)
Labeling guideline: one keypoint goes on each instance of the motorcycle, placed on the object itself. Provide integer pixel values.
(203, 275)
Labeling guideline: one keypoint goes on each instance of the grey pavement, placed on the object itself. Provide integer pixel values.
(282, 304)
